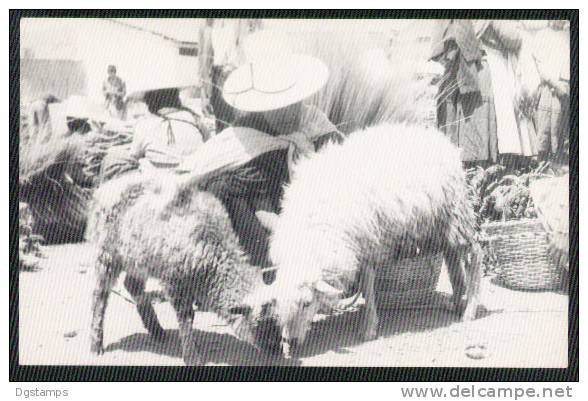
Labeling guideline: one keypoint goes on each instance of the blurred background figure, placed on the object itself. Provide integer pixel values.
(37, 123)
(466, 111)
(114, 91)
(221, 51)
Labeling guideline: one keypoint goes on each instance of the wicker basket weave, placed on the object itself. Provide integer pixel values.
(409, 282)
(521, 251)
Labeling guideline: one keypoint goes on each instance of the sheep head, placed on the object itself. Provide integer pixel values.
(256, 321)
(292, 301)
(284, 312)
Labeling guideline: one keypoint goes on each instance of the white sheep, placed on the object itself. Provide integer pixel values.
(350, 205)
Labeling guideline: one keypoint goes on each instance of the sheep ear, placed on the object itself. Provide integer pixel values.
(244, 310)
(267, 219)
(324, 288)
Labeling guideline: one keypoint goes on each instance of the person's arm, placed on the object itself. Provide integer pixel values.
(137, 150)
(263, 175)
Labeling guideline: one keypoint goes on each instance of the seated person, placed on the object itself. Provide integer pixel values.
(161, 139)
(272, 94)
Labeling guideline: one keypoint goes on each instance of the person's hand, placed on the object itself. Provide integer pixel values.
(207, 110)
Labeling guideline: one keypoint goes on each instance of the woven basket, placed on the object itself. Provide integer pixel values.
(521, 250)
(409, 282)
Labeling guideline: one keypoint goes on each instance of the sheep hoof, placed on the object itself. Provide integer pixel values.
(190, 354)
(459, 306)
(97, 348)
(193, 360)
(470, 312)
(370, 335)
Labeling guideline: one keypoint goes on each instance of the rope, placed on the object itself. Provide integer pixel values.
(122, 296)
(152, 296)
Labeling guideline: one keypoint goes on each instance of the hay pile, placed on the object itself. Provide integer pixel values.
(368, 83)
(366, 87)
(502, 193)
(53, 184)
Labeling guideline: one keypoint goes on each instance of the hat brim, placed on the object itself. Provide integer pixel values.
(309, 76)
(138, 94)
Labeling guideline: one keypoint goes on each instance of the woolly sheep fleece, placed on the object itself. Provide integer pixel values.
(188, 244)
(387, 192)
(384, 184)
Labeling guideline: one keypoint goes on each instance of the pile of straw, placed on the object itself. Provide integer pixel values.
(370, 83)
(52, 183)
(99, 142)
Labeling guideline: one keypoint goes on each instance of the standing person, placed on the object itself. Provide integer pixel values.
(114, 91)
(465, 105)
(221, 44)
(261, 146)
(548, 47)
(501, 43)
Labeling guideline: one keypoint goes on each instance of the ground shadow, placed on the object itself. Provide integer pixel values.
(333, 333)
(214, 348)
(336, 333)
(562, 288)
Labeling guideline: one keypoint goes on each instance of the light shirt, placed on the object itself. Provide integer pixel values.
(165, 143)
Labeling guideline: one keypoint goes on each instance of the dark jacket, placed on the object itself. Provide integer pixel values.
(257, 185)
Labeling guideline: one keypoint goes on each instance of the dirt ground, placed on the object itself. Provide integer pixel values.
(516, 329)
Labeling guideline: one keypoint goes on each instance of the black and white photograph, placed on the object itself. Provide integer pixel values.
(295, 192)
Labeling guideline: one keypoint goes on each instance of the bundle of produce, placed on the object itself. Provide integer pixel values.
(98, 143)
(507, 213)
(53, 184)
(501, 194)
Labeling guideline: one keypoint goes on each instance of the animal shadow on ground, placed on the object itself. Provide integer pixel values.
(214, 348)
(338, 332)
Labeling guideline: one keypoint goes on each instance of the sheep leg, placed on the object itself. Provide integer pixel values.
(106, 277)
(136, 287)
(370, 313)
(453, 260)
(185, 314)
(473, 270)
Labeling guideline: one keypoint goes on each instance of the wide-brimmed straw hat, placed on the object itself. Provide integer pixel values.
(139, 94)
(171, 81)
(274, 82)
